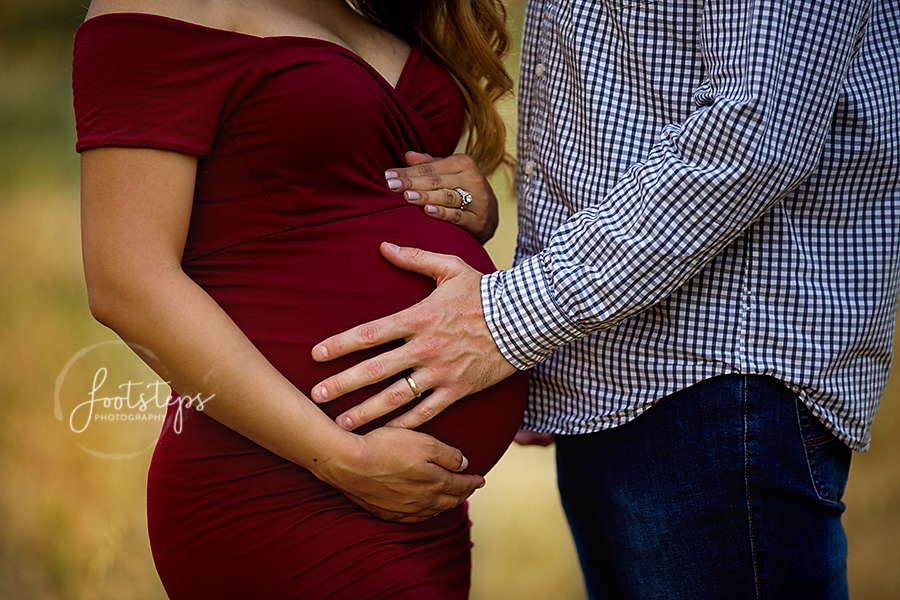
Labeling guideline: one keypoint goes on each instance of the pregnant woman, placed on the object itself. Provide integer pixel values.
(233, 203)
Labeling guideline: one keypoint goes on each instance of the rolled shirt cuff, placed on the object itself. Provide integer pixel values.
(522, 315)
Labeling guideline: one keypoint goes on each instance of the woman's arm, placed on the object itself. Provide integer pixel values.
(136, 206)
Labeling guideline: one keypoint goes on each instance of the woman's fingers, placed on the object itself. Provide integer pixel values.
(481, 225)
(402, 475)
(417, 158)
(448, 198)
(458, 170)
(451, 189)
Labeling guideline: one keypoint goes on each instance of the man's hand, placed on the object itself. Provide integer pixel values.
(448, 347)
(401, 475)
(525, 437)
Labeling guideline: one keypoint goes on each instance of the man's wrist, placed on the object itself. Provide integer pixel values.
(522, 316)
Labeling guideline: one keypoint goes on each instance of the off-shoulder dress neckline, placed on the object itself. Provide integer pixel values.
(300, 38)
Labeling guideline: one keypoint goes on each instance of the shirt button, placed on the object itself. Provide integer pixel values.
(539, 70)
(529, 168)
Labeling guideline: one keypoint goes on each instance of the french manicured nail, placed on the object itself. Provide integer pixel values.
(431, 210)
(465, 464)
(412, 196)
(394, 184)
(345, 422)
(391, 175)
(320, 353)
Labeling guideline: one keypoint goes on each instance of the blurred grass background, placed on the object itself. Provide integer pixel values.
(72, 525)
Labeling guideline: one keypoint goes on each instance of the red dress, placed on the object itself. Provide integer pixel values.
(293, 135)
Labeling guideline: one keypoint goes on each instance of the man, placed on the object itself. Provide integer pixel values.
(705, 285)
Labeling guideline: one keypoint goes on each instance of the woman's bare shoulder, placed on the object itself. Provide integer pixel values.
(194, 11)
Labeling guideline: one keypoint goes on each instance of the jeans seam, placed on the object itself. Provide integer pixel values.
(815, 443)
(747, 484)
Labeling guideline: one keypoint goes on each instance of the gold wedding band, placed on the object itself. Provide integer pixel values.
(412, 385)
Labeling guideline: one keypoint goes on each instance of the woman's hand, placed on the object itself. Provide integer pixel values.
(399, 475)
(432, 182)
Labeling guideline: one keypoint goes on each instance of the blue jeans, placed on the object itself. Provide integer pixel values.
(729, 489)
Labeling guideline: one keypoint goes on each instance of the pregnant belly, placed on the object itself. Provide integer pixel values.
(291, 290)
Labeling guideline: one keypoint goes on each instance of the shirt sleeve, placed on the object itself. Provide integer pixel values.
(774, 74)
(146, 81)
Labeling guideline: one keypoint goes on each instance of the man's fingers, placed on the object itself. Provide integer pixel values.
(375, 333)
(394, 396)
(525, 437)
(424, 327)
(431, 264)
(373, 370)
(398, 394)
(367, 335)
(427, 409)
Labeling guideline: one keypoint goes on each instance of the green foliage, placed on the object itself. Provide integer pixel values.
(23, 18)
(37, 127)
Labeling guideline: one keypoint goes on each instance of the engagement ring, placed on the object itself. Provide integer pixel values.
(466, 197)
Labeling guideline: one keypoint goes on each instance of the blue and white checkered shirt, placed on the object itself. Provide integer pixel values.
(704, 188)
